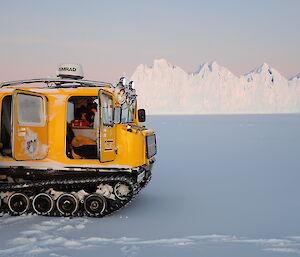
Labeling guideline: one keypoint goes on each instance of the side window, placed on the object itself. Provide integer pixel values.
(30, 110)
(107, 110)
(6, 122)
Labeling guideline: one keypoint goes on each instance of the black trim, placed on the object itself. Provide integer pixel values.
(150, 145)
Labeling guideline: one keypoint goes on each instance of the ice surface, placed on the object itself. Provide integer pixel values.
(222, 186)
(168, 89)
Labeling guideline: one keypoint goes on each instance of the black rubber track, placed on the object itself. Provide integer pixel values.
(35, 187)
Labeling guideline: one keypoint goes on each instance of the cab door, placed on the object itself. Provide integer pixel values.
(107, 133)
(29, 135)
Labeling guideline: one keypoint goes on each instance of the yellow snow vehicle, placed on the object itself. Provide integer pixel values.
(71, 147)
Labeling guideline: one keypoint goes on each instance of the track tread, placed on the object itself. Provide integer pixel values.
(69, 185)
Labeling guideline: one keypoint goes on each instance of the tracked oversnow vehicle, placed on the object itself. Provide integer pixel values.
(71, 147)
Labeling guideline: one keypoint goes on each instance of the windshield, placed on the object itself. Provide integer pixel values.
(126, 116)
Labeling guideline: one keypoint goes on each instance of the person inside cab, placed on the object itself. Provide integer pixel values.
(81, 144)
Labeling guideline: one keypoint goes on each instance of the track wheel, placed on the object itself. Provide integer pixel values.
(67, 204)
(94, 204)
(121, 191)
(18, 203)
(42, 203)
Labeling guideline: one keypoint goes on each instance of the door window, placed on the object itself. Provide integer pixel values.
(107, 110)
(30, 110)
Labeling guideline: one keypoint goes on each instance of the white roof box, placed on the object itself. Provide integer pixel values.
(73, 71)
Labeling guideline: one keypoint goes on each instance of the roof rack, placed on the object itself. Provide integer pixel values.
(59, 83)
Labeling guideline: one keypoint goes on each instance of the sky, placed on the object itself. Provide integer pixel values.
(111, 38)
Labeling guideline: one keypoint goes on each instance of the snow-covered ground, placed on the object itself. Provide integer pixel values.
(222, 186)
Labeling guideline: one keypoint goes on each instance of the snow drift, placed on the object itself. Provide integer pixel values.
(168, 89)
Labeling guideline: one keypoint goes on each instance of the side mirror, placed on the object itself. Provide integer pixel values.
(142, 115)
(117, 115)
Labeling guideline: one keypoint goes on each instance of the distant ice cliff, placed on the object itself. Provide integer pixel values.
(213, 89)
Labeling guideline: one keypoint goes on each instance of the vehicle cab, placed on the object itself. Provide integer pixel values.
(56, 126)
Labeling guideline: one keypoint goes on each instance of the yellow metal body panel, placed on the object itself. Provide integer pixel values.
(129, 149)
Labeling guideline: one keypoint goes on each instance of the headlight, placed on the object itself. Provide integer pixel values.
(151, 145)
